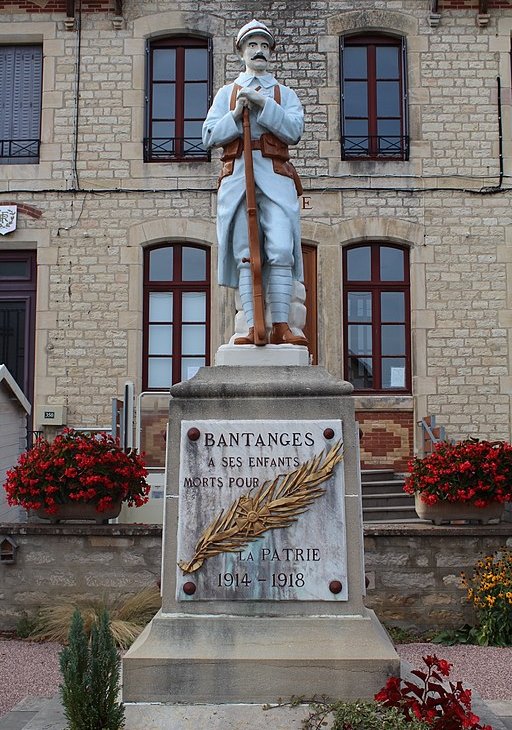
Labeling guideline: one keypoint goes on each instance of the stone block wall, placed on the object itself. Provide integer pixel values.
(413, 571)
(101, 205)
(76, 563)
(56, 6)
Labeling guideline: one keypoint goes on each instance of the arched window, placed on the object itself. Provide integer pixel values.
(373, 98)
(377, 324)
(176, 313)
(178, 93)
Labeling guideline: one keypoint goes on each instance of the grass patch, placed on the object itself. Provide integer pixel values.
(399, 635)
(128, 617)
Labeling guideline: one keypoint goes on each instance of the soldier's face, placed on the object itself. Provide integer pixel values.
(256, 53)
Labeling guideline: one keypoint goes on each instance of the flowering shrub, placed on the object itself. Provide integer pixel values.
(79, 468)
(479, 472)
(442, 706)
(490, 591)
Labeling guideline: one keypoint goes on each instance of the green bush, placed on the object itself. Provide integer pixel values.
(371, 716)
(356, 715)
(90, 673)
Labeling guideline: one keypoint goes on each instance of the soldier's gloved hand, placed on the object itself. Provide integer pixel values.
(250, 98)
(237, 112)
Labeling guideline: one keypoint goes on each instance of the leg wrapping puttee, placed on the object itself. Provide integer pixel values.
(245, 290)
(279, 292)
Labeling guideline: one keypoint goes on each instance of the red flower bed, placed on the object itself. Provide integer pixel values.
(442, 705)
(77, 467)
(479, 472)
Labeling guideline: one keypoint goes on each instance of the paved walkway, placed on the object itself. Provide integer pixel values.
(39, 713)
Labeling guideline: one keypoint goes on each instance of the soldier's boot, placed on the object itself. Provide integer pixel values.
(282, 335)
(280, 282)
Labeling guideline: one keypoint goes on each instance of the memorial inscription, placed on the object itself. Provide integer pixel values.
(262, 511)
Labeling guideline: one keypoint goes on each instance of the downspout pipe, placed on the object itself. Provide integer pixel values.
(76, 179)
(497, 188)
(500, 132)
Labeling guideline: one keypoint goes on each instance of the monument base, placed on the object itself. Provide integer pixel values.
(257, 659)
(284, 614)
(162, 716)
(270, 355)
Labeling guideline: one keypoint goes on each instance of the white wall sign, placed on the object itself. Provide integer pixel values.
(8, 214)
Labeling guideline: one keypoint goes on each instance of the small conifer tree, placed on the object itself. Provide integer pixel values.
(74, 660)
(91, 681)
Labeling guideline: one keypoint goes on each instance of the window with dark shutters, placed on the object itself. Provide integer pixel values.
(20, 103)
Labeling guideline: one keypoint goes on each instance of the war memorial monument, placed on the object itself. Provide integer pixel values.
(263, 570)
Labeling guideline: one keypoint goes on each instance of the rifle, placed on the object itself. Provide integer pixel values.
(260, 332)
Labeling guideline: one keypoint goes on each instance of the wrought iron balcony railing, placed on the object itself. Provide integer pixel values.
(375, 147)
(163, 149)
(19, 149)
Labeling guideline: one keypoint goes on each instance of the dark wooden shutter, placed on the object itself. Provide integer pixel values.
(6, 96)
(27, 92)
(20, 94)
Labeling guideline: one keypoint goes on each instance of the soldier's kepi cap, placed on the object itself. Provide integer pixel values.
(254, 28)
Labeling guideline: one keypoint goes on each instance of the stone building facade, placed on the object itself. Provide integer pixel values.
(438, 191)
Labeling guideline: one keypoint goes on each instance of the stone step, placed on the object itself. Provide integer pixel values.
(28, 713)
(389, 514)
(391, 485)
(388, 499)
(497, 714)
(384, 499)
(371, 475)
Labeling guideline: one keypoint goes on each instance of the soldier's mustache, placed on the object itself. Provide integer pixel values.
(259, 55)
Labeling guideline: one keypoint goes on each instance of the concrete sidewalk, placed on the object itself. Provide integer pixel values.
(39, 713)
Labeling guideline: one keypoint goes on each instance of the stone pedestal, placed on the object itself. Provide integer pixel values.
(316, 636)
(268, 356)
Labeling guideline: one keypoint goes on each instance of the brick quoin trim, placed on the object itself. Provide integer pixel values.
(387, 439)
(55, 6)
(24, 208)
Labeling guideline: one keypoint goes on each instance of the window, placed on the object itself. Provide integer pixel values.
(178, 96)
(176, 314)
(17, 316)
(373, 111)
(377, 317)
(20, 103)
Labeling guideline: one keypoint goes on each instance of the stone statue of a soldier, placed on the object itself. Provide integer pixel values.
(276, 120)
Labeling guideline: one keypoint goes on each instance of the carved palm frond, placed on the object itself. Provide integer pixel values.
(274, 505)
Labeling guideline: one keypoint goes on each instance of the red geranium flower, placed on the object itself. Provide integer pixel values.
(473, 471)
(443, 705)
(77, 467)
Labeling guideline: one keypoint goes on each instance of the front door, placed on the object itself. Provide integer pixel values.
(17, 316)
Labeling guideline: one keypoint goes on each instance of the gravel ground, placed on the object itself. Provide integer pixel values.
(29, 668)
(486, 669)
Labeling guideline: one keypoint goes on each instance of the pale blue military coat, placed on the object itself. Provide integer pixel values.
(286, 121)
